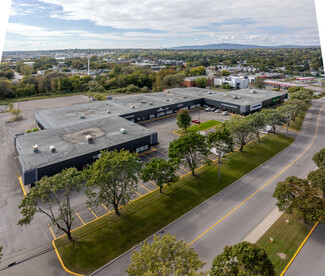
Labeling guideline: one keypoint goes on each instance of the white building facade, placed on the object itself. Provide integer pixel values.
(235, 82)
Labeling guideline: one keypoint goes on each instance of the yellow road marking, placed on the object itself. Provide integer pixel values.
(302, 244)
(80, 218)
(184, 169)
(105, 208)
(21, 184)
(136, 192)
(51, 231)
(153, 183)
(144, 187)
(154, 149)
(206, 231)
(161, 152)
(92, 212)
(178, 173)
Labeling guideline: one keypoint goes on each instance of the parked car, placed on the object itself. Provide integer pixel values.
(263, 130)
(269, 128)
(195, 121)
(213, 109)
(217, 111)
(225, 113)
(109, 98)
(208, 109)
(203, 133)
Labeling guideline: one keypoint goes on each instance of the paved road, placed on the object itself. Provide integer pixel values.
(231, 215)
(311, 259)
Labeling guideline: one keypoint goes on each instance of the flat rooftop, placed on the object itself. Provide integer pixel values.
(240, 97)
(70, 140)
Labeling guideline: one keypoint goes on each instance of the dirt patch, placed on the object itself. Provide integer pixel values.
(80, 136)
(281, 256)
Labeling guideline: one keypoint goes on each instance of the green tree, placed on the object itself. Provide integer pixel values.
(303, 94)
(259, 83)
(225, 73)
(112, 179)
(317, 179)
(241, 130)
(159, 170)
(183, 119)
(6, 89)
(26, 70)
(222, 142)
(190, 149)
(201, 82)
(242, 259)
(257, 121)
(295, 194)
(164, 256)
(51, 196)
(319, 158)
(274, 118)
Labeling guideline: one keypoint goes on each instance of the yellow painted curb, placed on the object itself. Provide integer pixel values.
(302, 244)
(21, 184)
(62, 264)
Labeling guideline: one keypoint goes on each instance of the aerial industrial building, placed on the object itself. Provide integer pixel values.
(75, 135)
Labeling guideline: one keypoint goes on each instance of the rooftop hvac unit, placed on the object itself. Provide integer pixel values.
(52, 148)
(89, 139)
(123, 130)
(35, 148)
(108, 111)
(166, 100)
(143, 101)
(253, 91)
(82, 116)
(150, 103)
(209, 92)
(184, 97)
(132, 106)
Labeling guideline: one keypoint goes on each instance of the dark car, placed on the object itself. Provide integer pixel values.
(109, 98)
(196, 121)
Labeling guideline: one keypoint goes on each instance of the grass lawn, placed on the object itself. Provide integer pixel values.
(105, 239)
(299, 120)
(287, 239)
(201, 126)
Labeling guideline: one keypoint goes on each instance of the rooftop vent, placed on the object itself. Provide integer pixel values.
(253, 91)
(143, 101)
(123, 130)
(52, 148)
(108, 111)
(82, 116)
(166, 100)
(184, 97)
(35, 148)
(150, 103)
(89, 139)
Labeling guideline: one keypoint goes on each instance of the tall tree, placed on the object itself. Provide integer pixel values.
(164, 256)
(113, 178)
(274, 118)
(161, 171)
(201, 82)
(47, 198)
(317, 179)
(295, 194)
(183, 119)
(190, 149)
(319, 158)
(242, 259)
(222, 142)
(241, 130)
(257, 121)
(259, 83)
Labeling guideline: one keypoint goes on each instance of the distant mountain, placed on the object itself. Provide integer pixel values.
(223, 46)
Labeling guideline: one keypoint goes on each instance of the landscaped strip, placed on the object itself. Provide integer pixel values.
(198, 127)
(299, 120)
(101, 241)
(287, 237)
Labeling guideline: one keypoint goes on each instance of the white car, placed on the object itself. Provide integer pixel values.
(263, 130)
(225, 113)
(203, 133)
(218, 111)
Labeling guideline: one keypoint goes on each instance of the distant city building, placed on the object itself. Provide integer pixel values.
(235, 82)
(306, 79)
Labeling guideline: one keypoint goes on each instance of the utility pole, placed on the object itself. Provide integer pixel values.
(88, 61)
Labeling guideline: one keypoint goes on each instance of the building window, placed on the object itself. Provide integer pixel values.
(143, 148)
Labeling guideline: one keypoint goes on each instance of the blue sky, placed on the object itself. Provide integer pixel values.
(62, 24)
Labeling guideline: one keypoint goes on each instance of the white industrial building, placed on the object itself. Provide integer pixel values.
(235, 82)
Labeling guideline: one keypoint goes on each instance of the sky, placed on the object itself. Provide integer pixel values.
(66, 24)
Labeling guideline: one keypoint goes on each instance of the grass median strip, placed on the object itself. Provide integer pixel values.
(287, 237)
(201, 126)
(105, 239)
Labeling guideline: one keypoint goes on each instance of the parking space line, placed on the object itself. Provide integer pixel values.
(161, 152)
(178, 173)
(80, 218)
(153, 183)
(184, 169)
(92, 212)
(21, 184)
(154, 149)
(144, 187)
(136, 192)
(51, 231)
(105, 208)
